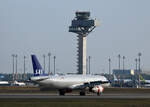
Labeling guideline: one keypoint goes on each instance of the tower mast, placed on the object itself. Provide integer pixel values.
(82, 25)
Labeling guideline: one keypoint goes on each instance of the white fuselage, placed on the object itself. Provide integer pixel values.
(67, 81)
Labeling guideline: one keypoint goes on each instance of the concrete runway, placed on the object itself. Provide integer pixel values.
(75, 96)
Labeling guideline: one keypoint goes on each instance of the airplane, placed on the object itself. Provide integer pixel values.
(16, 83)
(122, 82)
(144, 82)
(68, 83)
(4, 83)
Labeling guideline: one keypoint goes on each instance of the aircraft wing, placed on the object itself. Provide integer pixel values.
(87, 84)
(77, 86)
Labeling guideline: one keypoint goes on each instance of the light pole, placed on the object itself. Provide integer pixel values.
(89, 64)
(123, 62)
(109, 66)
(86, 65)
(54, 64)
(119, 56)
(16, 68)
(24, 68)
(44, 61)
(13, 76)
(119, 60)
(136, 64)
(139, 54)
(49, 55)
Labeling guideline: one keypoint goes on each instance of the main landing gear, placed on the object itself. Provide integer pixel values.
(61, 92)
(82, 93)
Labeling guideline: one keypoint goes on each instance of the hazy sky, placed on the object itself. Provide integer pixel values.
(41, 26)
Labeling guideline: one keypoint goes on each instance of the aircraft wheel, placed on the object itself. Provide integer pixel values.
(62, 92)
(98, 94)
(82, 93)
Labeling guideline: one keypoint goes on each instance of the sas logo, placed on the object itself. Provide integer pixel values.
(38, 71)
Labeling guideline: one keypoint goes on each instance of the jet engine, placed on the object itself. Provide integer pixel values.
(98, 89)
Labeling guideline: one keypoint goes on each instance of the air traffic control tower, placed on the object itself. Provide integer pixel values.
(82, 24)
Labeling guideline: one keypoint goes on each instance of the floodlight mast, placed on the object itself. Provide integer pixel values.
(82, 25)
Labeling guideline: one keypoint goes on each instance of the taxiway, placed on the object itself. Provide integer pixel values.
(75, 96)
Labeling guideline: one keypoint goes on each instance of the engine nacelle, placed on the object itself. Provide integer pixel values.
(98, 89)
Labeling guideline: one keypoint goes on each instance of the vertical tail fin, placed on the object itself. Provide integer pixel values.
(115, 78)
(141, 78)
(37, 68)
